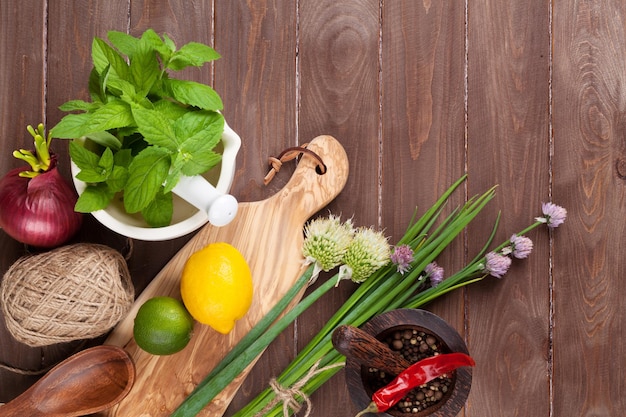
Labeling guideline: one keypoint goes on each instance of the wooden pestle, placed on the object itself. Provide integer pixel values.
(367, 350)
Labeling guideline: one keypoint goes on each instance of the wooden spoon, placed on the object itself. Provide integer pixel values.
(85, 383)
(367, 350)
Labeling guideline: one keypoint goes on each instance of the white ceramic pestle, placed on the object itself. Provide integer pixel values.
(220, 208)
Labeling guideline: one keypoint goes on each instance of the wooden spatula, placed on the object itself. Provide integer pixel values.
(269, 234)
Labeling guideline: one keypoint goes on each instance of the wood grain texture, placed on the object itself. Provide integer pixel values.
(339, 95)
(525, 94)
(508, 144)
(424, 142)
(589, 126)
(275, 261)
(257, 81)
(23, 72)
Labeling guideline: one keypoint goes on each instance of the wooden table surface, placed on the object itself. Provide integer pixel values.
(526, 94)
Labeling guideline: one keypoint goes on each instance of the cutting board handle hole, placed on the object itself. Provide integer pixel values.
(293, 153)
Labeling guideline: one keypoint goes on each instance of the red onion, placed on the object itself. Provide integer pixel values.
(38, 211)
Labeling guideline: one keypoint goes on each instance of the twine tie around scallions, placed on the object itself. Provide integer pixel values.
(287, 396)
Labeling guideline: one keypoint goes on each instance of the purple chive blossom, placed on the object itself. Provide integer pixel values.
(496, 265)
(522, 246)
(402, 256)
(553, 215)
(435, 272)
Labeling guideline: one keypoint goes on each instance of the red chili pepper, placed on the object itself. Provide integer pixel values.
(415, 375)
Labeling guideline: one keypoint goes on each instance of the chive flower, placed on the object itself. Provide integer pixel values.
(435, 273)
(368, 252)
(553, 215)
(496, 264)
(402, 256)
(325, 243)
(521, 246)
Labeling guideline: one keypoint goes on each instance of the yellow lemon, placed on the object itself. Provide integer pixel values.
(216, 286)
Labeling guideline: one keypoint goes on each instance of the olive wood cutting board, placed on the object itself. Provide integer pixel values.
(269, 234)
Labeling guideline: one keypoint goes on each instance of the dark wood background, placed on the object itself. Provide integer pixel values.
(525, 94)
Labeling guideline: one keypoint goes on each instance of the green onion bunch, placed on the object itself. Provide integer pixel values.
(392, 282)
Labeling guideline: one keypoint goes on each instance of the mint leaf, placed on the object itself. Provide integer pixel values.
(127, 91)
(123, 157)
(201, 131)
(102, 55)
(92, 175)
(192, 54)
(144, 69)
(200, 162)
(96, 87)
(124, 42)
(146, 174)
(152, 39)
(201, 142)
(202, 126)
(112, 115)
(169, 43)
(174, 174)
(93, 198)
(170, 109)
(71, 126)
(156, 129)
(159, 212)
(117, 179)
(106, 160)
(193, 94)
(74, 105)
(83, 158)
(99, 172)
(105, 139)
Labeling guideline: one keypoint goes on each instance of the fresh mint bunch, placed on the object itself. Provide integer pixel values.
(146, 127)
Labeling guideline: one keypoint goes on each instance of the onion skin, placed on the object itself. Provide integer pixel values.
(38, 211)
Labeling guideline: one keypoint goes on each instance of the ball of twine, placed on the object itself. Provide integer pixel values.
(70, 293)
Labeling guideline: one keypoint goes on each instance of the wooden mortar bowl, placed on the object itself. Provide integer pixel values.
(422, 320)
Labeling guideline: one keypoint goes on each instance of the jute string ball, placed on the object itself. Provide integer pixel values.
(70, 293)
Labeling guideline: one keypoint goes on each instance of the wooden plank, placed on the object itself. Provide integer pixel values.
(338, 67)
(183, 21)
(21, 103)
(256, 77)
(508, 145)
(257, 81)
(423, 92)
(72, 28)
(68, 47)
(589, 129)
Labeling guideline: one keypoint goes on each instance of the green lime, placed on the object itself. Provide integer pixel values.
(163, 326)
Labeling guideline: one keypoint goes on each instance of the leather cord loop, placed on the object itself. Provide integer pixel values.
(289, 154)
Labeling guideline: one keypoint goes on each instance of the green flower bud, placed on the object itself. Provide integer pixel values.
(326, 241)
(368, 252)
